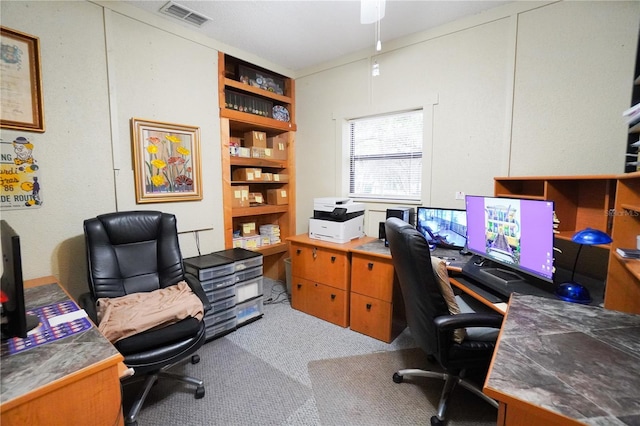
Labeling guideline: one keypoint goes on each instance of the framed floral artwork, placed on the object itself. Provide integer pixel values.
(166, 161)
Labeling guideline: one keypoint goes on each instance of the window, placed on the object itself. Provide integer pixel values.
(385, 160)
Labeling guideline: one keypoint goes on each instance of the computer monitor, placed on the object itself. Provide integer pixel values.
(515, 233)
(15, 320)
(443, 227)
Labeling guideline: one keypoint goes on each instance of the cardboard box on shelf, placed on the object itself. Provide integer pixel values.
(240, 196)
(259, 152)
(247, 174)
(277, 197)
(252, 242)
(244, 152)
(248, 229)
(255, 138)
(256, 198)
(279, 146)
(279, 177)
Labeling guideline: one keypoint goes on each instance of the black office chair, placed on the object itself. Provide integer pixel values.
(429, 320)
(138, 251)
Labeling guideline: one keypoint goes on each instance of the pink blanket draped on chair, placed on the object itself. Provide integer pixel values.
(121, 317)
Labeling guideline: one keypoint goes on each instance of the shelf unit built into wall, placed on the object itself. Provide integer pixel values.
(580, 201)
(610, 203)
(246, 105)
(623, 278)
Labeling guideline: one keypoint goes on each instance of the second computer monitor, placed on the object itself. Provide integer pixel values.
(443, 227)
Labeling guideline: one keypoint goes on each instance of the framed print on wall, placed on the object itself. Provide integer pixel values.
(20, 81)
(166, 161)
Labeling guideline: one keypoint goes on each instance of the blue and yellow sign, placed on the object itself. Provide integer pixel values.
(19, 180)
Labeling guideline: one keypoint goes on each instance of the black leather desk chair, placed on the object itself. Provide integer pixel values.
(429, 320)
(138, 251)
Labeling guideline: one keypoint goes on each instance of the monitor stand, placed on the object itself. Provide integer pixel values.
(32, 322)
(489, 274)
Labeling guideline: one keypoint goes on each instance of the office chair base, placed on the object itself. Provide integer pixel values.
(450, 382)
(151, 379)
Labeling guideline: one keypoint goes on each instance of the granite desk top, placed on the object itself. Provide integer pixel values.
(452, 256)
(26, 371)
(579, 361)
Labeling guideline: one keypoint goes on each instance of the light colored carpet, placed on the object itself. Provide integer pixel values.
(359, 390)
(261, 374)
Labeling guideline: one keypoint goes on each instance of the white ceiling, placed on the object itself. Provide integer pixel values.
(301, 34)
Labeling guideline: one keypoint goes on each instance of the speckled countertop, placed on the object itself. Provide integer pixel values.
(39, 366)
(579, 361)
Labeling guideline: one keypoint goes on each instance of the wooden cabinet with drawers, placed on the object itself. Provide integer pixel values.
(376, 302)
(321, 274)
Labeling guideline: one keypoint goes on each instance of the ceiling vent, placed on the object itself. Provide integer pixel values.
(184, 14)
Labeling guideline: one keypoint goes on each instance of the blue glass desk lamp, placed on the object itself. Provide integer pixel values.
(572, 291)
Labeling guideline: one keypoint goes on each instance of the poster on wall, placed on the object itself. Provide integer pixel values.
(19, 175)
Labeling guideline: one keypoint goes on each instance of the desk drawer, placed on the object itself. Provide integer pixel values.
(372, 276)
(321, 264)
(321, 301)
(372, 317)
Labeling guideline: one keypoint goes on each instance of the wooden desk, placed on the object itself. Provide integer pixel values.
(321, 273)
(560, 363)
(70, 381)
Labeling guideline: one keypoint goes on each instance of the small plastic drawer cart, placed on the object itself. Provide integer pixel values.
(232, 280)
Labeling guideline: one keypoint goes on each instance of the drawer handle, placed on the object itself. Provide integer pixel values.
(368, 306)
(299, 286)
(333, 297)
(298, 251)
(370, 266)
(315, 252)
(333, 259)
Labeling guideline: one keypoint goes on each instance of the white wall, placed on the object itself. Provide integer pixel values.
(101, 68)
(531, 88)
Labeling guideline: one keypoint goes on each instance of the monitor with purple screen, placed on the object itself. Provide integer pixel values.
(515, 233)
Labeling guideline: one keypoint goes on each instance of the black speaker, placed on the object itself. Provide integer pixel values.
(404, 213)
(382, 233)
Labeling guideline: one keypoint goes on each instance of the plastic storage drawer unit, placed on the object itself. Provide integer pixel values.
(213, 318)
(223, 293)
(247, 274)
(249, 289)
(221, 328)
(209, 266)
(219, 282)
(242, 258)
(249, 311)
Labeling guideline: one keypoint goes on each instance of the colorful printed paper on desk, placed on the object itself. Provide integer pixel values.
(57, 321)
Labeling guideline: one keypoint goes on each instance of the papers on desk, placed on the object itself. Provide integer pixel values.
(68, 317)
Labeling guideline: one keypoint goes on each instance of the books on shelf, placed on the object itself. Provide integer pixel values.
(628, 253)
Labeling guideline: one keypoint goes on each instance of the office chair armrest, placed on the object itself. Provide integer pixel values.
(196, 287)
(448, 323)
(88, 303)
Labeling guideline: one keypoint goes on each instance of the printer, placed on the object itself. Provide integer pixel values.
(337, 220)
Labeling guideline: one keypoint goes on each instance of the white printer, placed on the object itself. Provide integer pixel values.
(337, 220)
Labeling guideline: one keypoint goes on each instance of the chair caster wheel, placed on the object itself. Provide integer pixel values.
(131, 423)
(195, 359)
(397, 378)
(200, 392)
(435, 421)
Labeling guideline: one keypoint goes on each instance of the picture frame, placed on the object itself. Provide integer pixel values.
(22, 106)
(166, 161)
